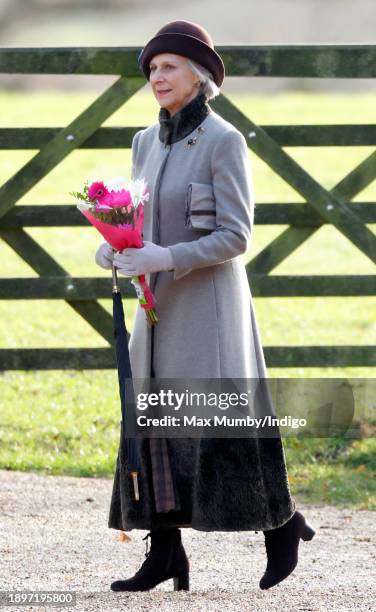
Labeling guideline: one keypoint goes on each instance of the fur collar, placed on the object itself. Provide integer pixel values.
(184, 121)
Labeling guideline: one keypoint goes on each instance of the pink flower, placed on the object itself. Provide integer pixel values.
(106, 199)
(119, 198)
(97, 191)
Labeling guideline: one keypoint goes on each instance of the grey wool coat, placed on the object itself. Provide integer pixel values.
(201, 206)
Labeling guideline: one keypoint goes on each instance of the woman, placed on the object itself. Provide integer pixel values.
(198, 223)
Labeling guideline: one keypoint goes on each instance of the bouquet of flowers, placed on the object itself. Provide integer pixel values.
(118, 214)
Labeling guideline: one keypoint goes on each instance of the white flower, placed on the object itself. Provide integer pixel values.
(81, 205)
(137, 189)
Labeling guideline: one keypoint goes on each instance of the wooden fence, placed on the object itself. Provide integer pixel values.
(321, 206)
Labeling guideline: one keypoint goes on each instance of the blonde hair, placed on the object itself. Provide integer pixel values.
(208, 87)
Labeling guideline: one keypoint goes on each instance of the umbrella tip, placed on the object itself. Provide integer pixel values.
(135, 486)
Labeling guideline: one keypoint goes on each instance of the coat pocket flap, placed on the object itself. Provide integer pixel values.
(200, 207)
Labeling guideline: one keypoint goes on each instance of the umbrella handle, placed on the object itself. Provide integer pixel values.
(115, 286)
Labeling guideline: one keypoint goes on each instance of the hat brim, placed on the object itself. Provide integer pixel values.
(185, 45)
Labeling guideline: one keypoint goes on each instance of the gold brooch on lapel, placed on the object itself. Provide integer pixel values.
(192, 141)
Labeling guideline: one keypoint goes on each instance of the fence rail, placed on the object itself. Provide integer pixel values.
(321, 206)
(323, 61)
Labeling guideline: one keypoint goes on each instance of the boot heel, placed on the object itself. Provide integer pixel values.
(307, 533)
(181, 582)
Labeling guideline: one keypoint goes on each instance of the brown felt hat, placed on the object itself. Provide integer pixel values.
(188, 39)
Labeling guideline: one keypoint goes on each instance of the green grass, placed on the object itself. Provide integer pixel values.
(68, 422)
(333, 470)
(60, 422)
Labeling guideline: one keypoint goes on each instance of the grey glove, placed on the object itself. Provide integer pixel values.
(150, 258)
(104, 256)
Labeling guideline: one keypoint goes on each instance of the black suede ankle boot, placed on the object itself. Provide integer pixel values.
(282, 549)
(165, 559)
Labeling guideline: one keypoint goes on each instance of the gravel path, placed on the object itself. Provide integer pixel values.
(54, 535)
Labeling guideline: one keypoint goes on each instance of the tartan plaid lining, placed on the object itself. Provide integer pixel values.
(166, 498)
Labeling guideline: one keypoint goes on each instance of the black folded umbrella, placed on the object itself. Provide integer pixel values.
(125, 379)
